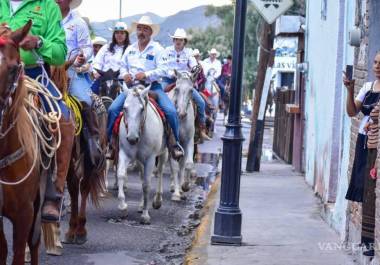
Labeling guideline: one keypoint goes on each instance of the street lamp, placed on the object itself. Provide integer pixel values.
(228, 217)
(120, 5)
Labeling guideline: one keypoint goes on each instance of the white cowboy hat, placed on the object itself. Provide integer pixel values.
(179, 34)
(75, 3)
(99, 41)
(196, 52)
(147, 21)
(214, 51)
(121, 26)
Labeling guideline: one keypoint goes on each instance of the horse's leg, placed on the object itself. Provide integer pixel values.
(176, 196)
(122, 176)
(189, 165)
(157, 201)
(73, 187)
(3, 245)
(81, 232)
(148, 170)
(21, 230)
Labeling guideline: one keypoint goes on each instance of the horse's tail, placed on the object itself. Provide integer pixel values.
(49, 234)
(60, 78)
(94, 182)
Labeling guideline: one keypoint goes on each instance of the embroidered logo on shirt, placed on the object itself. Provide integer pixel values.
(37, 9)
(132, 52)
(150, 57)
(71, 27)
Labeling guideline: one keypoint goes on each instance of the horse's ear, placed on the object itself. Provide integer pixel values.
(18, 35)
(144, 93)
(177, 74)
(99, 71)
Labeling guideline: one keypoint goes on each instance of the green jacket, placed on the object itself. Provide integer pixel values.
(46, 17)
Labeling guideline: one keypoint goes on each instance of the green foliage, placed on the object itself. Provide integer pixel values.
(221, 38)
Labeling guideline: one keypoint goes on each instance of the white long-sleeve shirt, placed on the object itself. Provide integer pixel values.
(77, 36)
(216, 64)
(105, 60)
(181, 61)
(146, 61)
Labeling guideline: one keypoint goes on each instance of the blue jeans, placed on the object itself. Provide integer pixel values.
(221, 82)
(34, 73)
(163, 101)
(199, 101)
(80, 86)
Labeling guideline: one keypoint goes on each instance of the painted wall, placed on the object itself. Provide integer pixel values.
(327, 128)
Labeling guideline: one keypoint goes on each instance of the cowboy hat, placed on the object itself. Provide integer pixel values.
(214, 51)
(99, 41)
(75, 3)
(147, 21)
(196, 52)
(121, 26)
(179, 34)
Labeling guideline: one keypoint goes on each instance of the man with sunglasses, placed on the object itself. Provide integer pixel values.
(178, 57)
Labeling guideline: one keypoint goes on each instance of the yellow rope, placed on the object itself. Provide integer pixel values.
(76, 107)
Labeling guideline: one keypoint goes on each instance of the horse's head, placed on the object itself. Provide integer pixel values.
(109, 83)
(10, 65)
(135, 111)
(183, 92)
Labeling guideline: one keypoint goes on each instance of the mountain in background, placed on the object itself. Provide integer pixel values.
(192, 18)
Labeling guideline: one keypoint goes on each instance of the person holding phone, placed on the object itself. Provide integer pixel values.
(363, 181)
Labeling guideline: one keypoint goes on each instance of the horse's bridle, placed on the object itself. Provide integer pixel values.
(187, 76)
(12, 85)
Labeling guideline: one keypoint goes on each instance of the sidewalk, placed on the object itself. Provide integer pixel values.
(281, 225)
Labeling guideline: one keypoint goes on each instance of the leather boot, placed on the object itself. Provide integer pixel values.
(91, 134)
(204, 135)
(52, 203)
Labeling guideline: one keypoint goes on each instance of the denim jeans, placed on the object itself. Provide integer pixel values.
(199, 101)
(79, 86)
(163, 101)
(34, 73)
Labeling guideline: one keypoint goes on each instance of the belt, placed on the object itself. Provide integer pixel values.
(31, 66)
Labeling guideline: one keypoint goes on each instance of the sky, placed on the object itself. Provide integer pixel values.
(101, 10)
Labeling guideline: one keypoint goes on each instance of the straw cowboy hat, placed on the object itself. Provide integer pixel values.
(75, 3)
(196, 52)
(147, 21)
(179, 34)
(99, 41)
(214, 51)
(121, 26)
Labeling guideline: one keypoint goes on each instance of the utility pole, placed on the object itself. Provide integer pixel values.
(228, 217)
(257, 128)
(120, 13)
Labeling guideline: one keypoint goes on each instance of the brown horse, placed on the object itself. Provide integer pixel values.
(82, 177)
(20, 174)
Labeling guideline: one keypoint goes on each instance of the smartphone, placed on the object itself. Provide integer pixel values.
(349, 71)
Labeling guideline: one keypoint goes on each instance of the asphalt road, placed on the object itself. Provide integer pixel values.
(114, 239)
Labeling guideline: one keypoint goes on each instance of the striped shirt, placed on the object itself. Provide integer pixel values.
(373, 128)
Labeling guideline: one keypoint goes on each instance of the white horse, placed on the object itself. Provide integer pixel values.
(181, 170)
(213, 88)
(141, 140)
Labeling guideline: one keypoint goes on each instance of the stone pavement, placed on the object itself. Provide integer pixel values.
(282, 224)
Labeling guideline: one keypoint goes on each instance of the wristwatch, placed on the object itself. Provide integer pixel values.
(39, 43)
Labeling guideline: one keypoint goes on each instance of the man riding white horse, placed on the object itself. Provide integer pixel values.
(212, 63)
(80, 51)
(140, 62)
(179, 58)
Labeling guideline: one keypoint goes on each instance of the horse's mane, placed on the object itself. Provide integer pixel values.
(23, 125)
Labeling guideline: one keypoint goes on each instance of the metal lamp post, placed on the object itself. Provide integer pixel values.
(228, 217)
(120, 10)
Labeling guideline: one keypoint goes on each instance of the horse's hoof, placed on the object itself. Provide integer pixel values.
(193, 173)
(122, 206)
(156, 204)
(172, 188)
(145, 220)
(183, 197)
(140, 209)
(54, 251)
(176, 198)
(80, 240)
(69, 239)
(185, 186)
